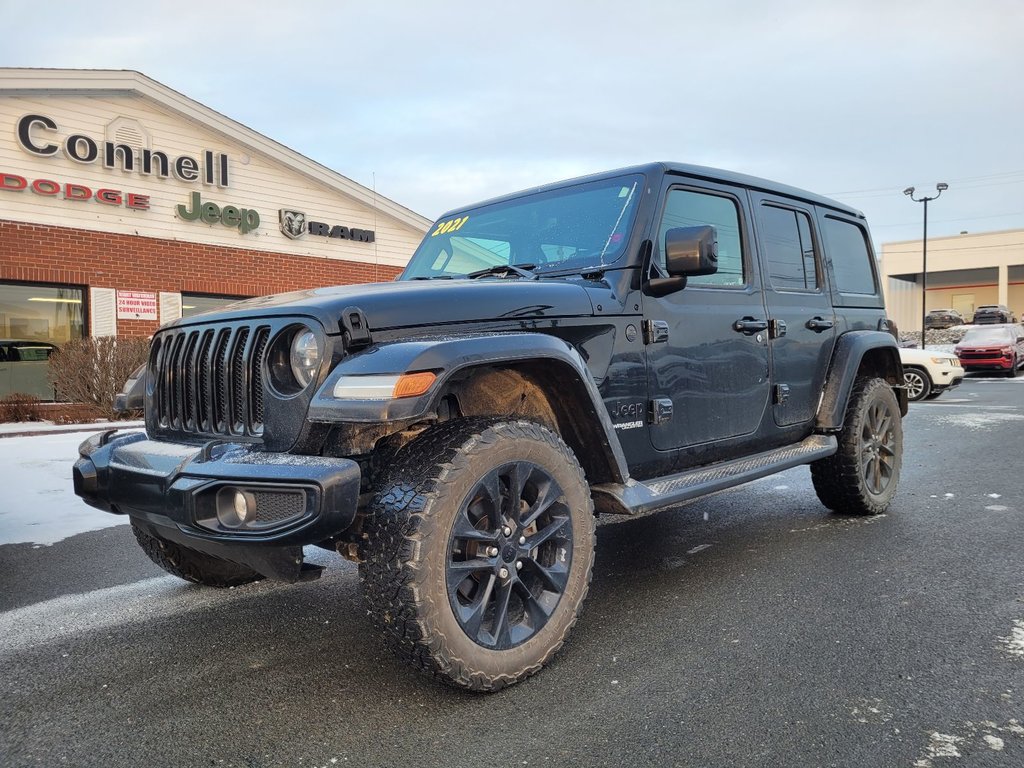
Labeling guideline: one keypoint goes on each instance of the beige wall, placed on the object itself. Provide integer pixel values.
(256, 182)
(978, 257)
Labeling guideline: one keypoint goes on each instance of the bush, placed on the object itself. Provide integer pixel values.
(92, 371)
(18, 406)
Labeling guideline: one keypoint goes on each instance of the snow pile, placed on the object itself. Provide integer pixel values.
(943, 336)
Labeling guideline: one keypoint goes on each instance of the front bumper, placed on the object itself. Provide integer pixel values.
(171, 489)
(994, 363)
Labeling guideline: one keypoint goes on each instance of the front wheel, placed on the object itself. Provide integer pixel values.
(190, 565)
(862, 476)
(1012, 373)
(918, 384)
(479, 549)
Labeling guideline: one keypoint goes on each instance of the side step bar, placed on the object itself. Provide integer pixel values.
(635, 497)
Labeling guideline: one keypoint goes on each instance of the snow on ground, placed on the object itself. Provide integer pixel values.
(41, 427)
(37, 502)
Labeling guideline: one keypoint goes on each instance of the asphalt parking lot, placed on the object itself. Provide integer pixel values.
(748, 629)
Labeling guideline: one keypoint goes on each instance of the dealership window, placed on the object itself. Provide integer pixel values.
(197, 303)
(34, 320)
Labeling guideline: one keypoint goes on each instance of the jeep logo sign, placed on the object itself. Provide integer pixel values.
(294, 226)
(245, 220)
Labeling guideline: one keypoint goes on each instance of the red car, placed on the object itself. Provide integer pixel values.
(996, 348)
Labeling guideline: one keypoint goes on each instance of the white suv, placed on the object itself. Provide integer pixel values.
(927, 374)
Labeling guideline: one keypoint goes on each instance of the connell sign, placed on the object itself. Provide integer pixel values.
(39, 135)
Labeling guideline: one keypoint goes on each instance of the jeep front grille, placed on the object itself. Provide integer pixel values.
(209, 381)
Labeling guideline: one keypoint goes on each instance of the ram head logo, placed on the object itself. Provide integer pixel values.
(293, 223)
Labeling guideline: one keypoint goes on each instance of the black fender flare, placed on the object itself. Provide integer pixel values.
(848, 356)
(447, 357)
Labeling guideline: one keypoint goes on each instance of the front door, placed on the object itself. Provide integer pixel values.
(707, 348)
(802, 331)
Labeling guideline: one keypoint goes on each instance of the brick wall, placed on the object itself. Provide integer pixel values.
(46, 254)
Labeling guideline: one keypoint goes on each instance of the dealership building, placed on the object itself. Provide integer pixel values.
(125, 205)
(965, 271)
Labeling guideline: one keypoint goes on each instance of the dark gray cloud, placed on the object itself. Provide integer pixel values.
(440, 104)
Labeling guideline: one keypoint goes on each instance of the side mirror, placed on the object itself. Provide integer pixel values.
(691, 251)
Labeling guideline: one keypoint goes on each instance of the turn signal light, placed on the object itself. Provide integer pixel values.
(413, 384)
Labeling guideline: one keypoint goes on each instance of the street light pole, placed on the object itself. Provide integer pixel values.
(909, 192)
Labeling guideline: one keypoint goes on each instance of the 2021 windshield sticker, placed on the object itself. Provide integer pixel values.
(452, 225)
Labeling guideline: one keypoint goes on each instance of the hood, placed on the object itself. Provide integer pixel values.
(915, 355)
(411, 303)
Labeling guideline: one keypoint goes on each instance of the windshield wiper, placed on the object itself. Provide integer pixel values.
(505, 270)
(432, 277)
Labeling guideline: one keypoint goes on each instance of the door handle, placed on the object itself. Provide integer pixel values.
(748, 325)
(819, 324)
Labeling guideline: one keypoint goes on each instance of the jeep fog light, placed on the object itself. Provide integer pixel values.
(235, 507)
(386, 387)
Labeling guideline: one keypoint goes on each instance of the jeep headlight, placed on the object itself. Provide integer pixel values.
(304, 356)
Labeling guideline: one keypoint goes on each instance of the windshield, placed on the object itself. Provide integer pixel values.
(583, 226)
(998, 335)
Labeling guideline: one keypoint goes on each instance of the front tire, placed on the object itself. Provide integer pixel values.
(190, 565)
(918, 384)
(862, 476)
(1012, 373)
(479, 551)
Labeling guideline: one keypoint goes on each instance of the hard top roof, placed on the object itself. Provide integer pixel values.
(682, 169)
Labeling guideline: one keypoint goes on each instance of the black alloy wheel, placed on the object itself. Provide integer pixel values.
(878, 452)
(862, 476)
(510, 553)
(479, 549)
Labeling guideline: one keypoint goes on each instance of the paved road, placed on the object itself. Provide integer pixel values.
(769, 634)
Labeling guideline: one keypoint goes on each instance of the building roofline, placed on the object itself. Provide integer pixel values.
(936, 238)
(127, 81)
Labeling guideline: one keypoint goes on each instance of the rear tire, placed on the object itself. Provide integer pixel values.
(455, 595)
(862, 476)
(190, 565)
(918, 384)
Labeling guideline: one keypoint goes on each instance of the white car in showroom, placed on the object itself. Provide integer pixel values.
(927, 373)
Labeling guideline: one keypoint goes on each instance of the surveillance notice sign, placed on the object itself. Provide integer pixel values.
(136, 305)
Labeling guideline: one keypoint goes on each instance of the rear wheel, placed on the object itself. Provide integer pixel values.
(862, 476)
(190, 565)
(479, 551)
(918, 384)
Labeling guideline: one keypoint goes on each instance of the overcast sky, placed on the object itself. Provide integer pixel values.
(445, 103)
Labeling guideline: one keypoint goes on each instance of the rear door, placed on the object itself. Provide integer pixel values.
(802, 320)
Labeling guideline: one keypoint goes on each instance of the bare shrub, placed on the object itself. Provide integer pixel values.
(92, 371)
(18, 406)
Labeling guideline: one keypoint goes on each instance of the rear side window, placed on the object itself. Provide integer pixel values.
(851, 257)
(789, 249)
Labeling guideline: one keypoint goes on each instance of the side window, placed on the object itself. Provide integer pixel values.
(685, 208)
(851, 257)
(788, 249)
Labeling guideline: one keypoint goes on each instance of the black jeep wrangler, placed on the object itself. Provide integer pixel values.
(615, 344)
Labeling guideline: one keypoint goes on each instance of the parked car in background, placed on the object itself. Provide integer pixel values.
(23, 366)
(999, 348)
(943, 318)
(927, 374)
(990, 314)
